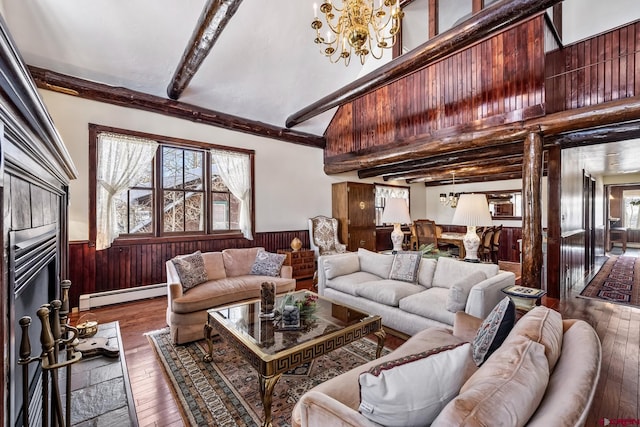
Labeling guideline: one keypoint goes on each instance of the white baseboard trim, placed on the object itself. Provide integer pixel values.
(118, 296)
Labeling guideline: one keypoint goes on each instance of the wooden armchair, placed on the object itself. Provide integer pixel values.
(495, 243)
(486, 239)
(426, 232)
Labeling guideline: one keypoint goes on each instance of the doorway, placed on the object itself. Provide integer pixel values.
(589, 226)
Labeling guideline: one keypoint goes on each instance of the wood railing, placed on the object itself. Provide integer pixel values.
(601, 69)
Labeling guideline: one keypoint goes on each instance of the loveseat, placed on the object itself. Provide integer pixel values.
(228, 279)
(544, 374)
(410, 300)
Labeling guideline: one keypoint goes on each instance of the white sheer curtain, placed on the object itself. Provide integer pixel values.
(122, 159)
(234, 169)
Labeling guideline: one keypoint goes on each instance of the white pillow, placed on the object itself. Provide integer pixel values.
(425, 271)
(459, 291)
(340, 265)
(412, 391)
(375, 263)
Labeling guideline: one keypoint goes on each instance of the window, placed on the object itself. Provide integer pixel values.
(383, 192)
(631, 200)
(182, 189)
(186, 188)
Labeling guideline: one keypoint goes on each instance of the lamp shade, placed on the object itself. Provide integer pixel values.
(396, 211)
(472, 210)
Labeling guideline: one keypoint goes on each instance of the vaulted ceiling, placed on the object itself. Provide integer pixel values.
(262, 68)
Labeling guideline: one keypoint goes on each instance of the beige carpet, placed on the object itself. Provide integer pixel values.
(225, 392)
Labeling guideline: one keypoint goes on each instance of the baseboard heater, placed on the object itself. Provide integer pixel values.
(118, 296)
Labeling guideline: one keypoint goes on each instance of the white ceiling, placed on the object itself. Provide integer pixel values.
(264, 66)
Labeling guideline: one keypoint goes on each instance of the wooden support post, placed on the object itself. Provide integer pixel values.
(554, 219)
(532, 211)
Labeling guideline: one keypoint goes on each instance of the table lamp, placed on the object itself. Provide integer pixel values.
(396, 212)
(472, 211)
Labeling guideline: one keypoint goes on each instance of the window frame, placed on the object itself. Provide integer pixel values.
(379, 209)
(158, 235)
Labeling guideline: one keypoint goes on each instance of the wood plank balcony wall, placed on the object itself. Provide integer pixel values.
(600, 69)
(500, 79)
(128, 264)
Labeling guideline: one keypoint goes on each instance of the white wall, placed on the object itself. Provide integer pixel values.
(444, 214)
(290, 183)
(586, 18)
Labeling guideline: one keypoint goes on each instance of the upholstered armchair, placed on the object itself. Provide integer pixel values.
(323, 236)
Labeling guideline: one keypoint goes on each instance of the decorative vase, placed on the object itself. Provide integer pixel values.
(296, 244)
(267, 299)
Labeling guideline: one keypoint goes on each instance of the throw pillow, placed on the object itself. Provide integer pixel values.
(493, 330)
(545, 326)
(340, 265)
(505, 391)
(375, 263)
(190, 269)
(412, 390)
(459, 291)
(405, 266)
(267, 264)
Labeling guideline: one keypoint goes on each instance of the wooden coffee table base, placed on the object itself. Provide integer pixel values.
(271, 371)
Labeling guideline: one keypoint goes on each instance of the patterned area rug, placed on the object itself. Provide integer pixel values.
(225, 392)
(618, 281)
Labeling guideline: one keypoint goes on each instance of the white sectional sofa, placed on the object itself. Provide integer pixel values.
(439, 289)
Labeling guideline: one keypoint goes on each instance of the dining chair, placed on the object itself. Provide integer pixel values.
(484, 251)
(495, 243)
(426, 232)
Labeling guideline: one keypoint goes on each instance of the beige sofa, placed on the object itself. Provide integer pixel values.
(501, 392)
(362, 280)
(229, 282)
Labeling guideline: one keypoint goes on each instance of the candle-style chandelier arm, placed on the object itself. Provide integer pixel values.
(359, 27)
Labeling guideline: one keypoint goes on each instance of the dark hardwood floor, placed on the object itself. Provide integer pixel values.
(618, 326)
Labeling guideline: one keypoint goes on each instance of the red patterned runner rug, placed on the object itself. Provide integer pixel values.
(618, 281)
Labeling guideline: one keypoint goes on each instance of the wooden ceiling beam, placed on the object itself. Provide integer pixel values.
(476, 178)
(489, 152)
(622, 112)
(441, 143)
(494, 18)
(601, 135)
(128, 98)
(494, 165)
(214, 18)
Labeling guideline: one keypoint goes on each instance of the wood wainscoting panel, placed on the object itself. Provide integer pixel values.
(130, 263)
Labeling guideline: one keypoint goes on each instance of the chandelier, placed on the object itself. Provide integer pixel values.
(358, 29)
(452, 199)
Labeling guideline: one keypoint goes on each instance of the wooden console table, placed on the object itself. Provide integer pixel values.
(302, 261)
(100, 387)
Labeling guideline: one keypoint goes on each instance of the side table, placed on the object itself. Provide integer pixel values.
(302, 261)
(523, 297)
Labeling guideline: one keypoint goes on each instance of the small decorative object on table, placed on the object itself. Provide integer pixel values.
(523, 297)
(290, 317)
(296, 244)
(267, 299)
(308, 305)
(87, 326)
(432, 251)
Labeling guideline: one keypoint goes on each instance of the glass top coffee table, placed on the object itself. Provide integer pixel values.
(273, 349)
